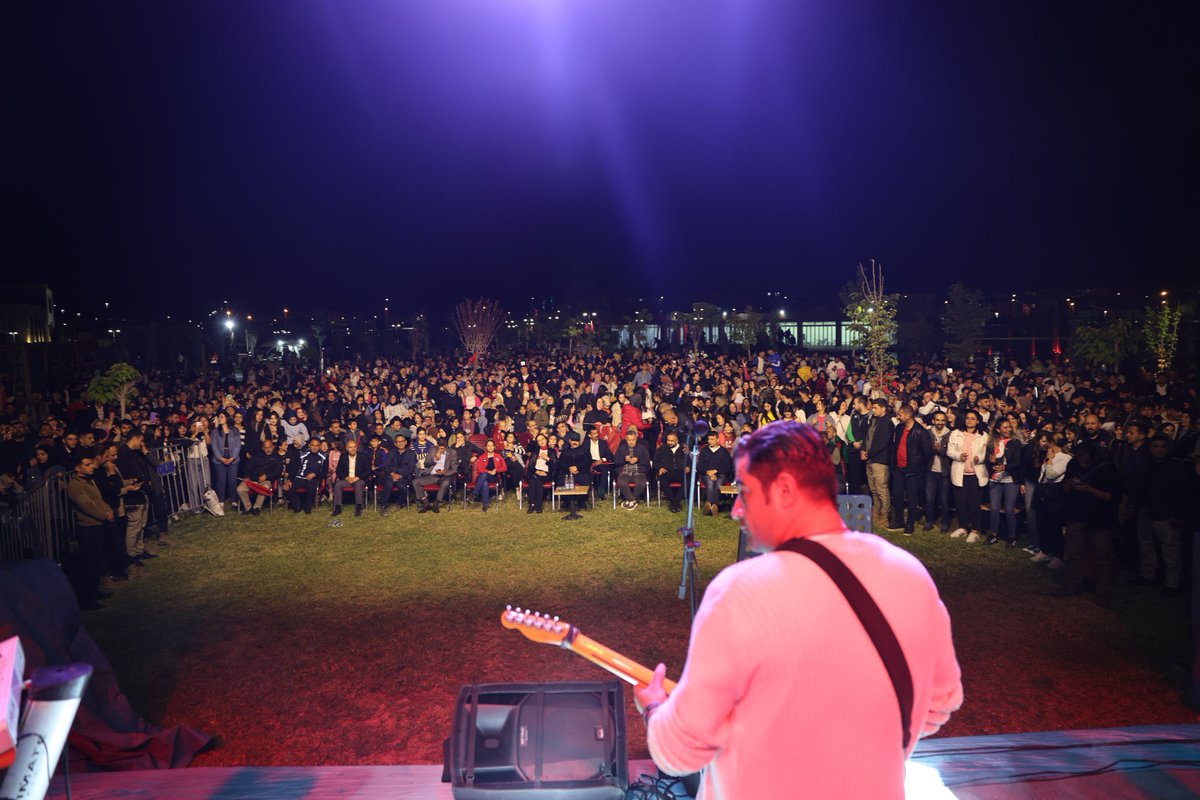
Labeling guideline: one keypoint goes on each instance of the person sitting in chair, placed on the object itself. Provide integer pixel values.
(715, 467)
(441, 468)
(264, 468)
(487, 469)
(574, 469)
(672, 468)
(633, 463)
(353, 468)
(540, 465)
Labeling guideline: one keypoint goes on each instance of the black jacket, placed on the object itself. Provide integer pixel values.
(133, 464)
(721, 461)
(1011, 461)
(638, 451)
(878, 444)
(362, 466)
(606, 453)
(405, 464)
(307, 463)
(263, 464)
(379, 459)
(920, 449)
(531, 464)
(673, 463)
(580, 459)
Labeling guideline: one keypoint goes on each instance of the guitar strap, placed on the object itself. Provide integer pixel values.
(872, 620)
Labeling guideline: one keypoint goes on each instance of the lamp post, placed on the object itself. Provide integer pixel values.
(229, 325)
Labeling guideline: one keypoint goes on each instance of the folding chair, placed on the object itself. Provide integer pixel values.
(547, 486)
(630, 484)
(658, 489)
(494, 483)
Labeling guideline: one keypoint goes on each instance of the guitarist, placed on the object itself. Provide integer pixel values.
(784, 693)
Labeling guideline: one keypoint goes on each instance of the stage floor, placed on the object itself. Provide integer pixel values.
(1159, 762)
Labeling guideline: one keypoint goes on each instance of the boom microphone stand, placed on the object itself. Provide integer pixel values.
(687, 579)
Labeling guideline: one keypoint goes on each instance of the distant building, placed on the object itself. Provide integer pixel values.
(26, 313)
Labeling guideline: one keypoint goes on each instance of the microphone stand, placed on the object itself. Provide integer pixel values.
(687, 580)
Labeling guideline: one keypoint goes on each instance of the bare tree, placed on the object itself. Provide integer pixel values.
(476, 323)
(872, 316)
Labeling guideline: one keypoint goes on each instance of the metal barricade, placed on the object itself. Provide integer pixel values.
(184, 474)
(39, 524)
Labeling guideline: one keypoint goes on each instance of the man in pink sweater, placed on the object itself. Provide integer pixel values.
(783, 693)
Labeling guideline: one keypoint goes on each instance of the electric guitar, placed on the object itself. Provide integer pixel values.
(551, 630)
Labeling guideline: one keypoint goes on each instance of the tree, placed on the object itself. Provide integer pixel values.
(572, 332)
(744, 328)
(320, 332)
(1106, 346)
(118, 383)
(703, 317)
(637, 327)
(1162, 333)
(962, 322)
(476, 322)
(418, 335)
(872, 315)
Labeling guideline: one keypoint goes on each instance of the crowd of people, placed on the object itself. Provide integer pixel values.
(1080, 469)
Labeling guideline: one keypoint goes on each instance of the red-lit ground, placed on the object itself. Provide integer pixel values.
(307, 645)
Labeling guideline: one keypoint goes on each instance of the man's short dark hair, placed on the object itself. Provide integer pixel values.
(879, 401)
(792, 447)
(1141, 426)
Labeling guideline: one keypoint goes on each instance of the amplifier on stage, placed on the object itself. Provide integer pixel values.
(539, 741)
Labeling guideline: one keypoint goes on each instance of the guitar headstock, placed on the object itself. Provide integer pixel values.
(536, 626)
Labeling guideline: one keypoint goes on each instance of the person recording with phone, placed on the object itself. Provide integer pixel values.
(134, 467)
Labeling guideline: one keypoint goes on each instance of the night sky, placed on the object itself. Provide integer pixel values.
(330, 153)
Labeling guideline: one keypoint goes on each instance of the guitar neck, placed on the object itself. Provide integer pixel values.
(624, 668)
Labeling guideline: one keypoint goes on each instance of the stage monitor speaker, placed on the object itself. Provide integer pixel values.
(542, 741)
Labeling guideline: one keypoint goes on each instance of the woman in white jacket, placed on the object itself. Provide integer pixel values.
(967, 451)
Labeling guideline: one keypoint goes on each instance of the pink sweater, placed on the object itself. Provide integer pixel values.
(783, 693)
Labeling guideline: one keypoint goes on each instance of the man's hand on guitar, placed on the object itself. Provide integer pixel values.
(653, 693)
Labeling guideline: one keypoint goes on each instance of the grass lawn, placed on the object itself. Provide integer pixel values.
(299, 644)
